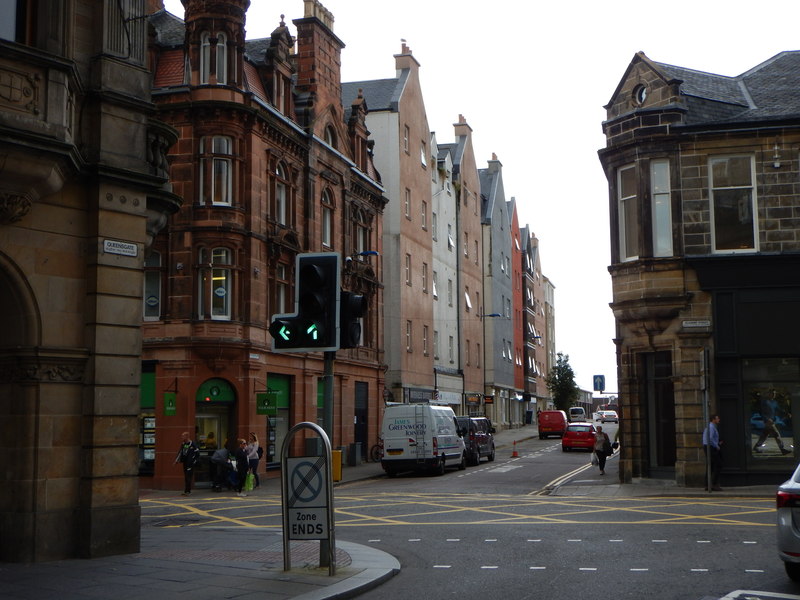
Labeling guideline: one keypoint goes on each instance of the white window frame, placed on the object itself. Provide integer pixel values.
(749, 205)
(216, 170)
(661, 209)
(222, 59)
(216, 283)
(628, 209)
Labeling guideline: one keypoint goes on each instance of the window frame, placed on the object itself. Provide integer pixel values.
(713, 193)
(628, 209)
(213, 268)
(216, 164)
(661, 207)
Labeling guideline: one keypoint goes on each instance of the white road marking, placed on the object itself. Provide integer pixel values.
(537, 568)
(490, 567)
(441, 566)
(699, 570)
(640, 570)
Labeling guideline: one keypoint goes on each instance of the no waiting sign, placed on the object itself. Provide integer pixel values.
(307, 503)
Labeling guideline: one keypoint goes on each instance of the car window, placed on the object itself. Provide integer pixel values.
(579, 428)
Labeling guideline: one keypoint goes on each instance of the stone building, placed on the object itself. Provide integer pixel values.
(705, 243)
(83, 191)
(270, 166)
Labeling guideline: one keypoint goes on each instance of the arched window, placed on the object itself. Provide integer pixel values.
(330, 136)
(327, 219)
(205, 57)
(281, 194)
(360, 232)
(215, 283)
(221, 63)
(222, 59)
(216, 168)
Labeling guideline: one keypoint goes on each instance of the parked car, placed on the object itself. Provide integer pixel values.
(788, 521)
(478, 434)
(609, 416)
(552, 422)
(577, 413)
(579, 435)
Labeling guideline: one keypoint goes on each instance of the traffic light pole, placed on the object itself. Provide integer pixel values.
(327, 425)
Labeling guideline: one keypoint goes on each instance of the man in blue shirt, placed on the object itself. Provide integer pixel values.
(711, 446)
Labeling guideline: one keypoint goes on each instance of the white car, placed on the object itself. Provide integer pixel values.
(788, 525)
(609, 416)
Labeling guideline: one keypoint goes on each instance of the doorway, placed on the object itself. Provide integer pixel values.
(659, 400)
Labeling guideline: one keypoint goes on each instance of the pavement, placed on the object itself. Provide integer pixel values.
(246, 563)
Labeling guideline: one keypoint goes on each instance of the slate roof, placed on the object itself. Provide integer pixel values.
(170, 30)
(768, 90)
(380, 94)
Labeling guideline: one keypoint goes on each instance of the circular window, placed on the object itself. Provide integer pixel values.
(640, 94)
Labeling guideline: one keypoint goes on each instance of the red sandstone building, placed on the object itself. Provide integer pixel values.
(268, 168)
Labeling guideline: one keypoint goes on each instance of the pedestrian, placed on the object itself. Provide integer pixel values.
(602, 448)
(219, 467)
(188, 455)
(242, 466)
(252, 458)
(712, 446)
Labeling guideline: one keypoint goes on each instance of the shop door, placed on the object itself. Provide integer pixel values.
(659, 399)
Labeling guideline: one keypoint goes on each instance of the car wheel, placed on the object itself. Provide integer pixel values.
(463, 464)
(491, 456)
(439, 468)
(564, 448)
(476, 460)
(792, 570)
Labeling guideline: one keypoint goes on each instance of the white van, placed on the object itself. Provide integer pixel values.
(420, 437)
(577, 413)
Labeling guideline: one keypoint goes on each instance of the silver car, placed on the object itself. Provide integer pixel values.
(788, 517)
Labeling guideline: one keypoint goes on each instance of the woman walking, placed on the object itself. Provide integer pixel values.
(602, 448)
(252, 458)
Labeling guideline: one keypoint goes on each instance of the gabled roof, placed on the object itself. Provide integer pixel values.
(380, 94)
(767, 91)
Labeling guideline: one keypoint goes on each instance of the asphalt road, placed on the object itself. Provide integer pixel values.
(493, 529)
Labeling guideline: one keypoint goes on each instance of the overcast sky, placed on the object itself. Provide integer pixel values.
(531, 78)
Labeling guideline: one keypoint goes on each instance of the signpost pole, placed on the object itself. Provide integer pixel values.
(307, 499)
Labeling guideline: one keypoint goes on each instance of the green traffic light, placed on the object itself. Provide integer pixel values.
(313, 331)
(285, 333)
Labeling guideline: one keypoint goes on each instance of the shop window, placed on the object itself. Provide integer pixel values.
(770, 385)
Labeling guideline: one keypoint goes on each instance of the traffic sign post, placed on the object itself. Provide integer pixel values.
(307, 499)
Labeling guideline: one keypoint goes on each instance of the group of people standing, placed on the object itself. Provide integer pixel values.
(245, 454)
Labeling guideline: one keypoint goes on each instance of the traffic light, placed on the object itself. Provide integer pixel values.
(314, 326)
(353, 307)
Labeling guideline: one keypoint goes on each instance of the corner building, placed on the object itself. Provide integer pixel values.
(269, 168)
(703, 175)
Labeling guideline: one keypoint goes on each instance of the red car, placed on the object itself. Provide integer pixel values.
(579, 435)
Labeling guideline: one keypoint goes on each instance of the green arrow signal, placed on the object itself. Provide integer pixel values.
(285, 333)
(313, 331)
